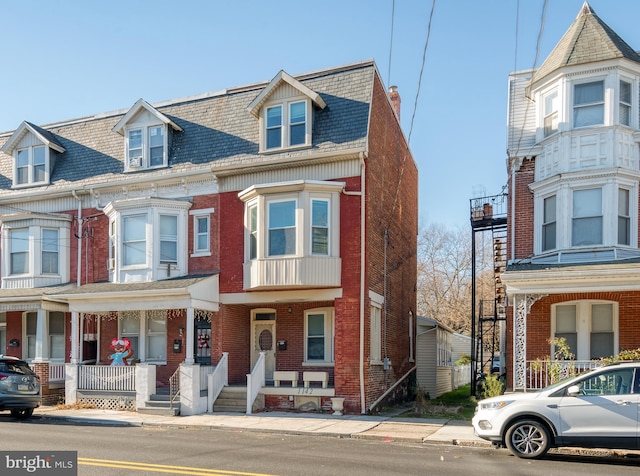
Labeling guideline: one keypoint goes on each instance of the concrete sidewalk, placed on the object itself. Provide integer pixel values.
(387, 428)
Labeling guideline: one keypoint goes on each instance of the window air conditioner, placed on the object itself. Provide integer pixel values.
(135, 161)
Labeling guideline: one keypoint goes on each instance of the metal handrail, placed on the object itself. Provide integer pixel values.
(174, 387)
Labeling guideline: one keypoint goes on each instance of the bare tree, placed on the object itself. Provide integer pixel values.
(444, 275)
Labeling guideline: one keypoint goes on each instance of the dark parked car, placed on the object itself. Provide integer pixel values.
(19, 387)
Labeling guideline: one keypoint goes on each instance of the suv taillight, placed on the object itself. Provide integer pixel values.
(3, 376)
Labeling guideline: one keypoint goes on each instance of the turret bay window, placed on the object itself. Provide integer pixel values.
(551, 107)
(588, 104)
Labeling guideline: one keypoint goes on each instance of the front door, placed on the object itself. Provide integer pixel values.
(263, 339)
(203, 342)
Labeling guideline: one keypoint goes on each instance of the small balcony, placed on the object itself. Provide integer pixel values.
(292, 272)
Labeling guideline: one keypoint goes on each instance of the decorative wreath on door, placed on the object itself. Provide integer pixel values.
(203, 341)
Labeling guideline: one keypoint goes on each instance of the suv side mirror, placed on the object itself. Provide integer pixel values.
(573, 391)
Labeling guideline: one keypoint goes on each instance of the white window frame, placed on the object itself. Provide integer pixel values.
(624, 216)
(168, 239)
(33, 228)
(141, 160)
(602, 103)
(583, 311)
(315, 226)
(328, 335)
(548, 222)
(375, 334)
(550, 112)
(55, 250)
(625, 105)
(564, 188)
(140, 331)
(19, 236)
(258, 198)
(198, 217)
(61, 338)
(285, 124)
(149, 211)
(125, 241)
(31, 166)
(597, 215)
(286, 229)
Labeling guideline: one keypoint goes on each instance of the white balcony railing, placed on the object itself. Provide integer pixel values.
(297, 271)
(56, 372)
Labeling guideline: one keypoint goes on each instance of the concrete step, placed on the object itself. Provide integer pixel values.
(231, 399)
(165, 411)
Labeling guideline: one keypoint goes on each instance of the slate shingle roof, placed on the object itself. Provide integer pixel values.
(587, 40)
(217, 129)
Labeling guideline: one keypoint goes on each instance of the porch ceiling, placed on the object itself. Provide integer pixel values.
(619, 277)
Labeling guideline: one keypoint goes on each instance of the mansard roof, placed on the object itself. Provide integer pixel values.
(215, 130)
(587, 40)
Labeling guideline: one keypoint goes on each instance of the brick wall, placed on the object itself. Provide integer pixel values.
(523, 211)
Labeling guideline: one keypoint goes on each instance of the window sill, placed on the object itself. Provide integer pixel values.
(376, 362)
(200, 254)
(283, 149)
(318, 364)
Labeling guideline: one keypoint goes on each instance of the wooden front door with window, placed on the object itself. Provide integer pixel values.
(263, 339)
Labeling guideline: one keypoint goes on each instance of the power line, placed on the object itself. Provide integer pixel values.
(393, 11)
(424, 56)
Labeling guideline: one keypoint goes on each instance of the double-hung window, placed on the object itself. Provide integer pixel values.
(588, 104)
(551, 106)
(286, 125)
(587, 217)
(201, 234)
(549, 224)
(375, 333)
(50, 250)
(156, 334)
(56, 335)
(320, 227)
(19, 242)
(146, 147)
(625, 103)
(253, 231)
(319, 335)
(168, 239)
(282, 228)
(134, 239)
(589, 328)
(31, 165)
(624, 217)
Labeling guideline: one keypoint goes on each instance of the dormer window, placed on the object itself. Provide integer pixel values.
(147, 135)
(34, 152)
(286, 125)
(30, 165)
(284, 108)
(146, 147)
(588, 104)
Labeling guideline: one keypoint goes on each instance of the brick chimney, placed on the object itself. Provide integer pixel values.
(394, 95)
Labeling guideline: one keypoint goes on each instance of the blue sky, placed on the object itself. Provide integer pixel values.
(65, 59)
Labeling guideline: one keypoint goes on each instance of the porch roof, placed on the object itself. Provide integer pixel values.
(198, 292)
(32, 299)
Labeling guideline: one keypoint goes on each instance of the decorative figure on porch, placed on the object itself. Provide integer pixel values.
(123, 351)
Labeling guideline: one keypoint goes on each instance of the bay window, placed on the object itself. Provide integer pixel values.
(624, 112)
(551, 107)
(168, 239)
(624, 217)
(50, 251)
(282, 228)
(134, 240)
(549, 224)
(320, 227)
(19, 243)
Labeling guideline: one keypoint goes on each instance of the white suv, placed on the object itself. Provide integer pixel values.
(596, 409)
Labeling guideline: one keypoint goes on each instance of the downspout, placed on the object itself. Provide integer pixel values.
(79, 236)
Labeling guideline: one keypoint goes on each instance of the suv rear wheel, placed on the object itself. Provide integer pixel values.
(528, 439)
(22, 413)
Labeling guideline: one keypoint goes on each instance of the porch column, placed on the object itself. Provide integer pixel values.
(189, 352)
(75, 337)
(42, 337)
(522, 306)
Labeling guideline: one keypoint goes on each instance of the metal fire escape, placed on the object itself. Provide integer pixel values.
(488, 219)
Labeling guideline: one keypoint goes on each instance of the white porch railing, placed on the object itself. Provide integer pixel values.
(543, 373)
(56, 372)
(107, 377)
(205, 370)
(217, 380)
(255, 382)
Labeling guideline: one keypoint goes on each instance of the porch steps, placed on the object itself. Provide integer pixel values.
(232, 399)
(160, 404)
